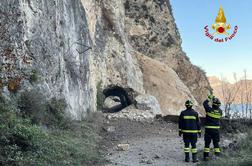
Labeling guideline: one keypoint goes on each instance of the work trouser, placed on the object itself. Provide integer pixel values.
(190, 138)
(212, 134)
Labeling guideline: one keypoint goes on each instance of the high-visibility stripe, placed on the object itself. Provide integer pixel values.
(187, 150)
(194, 150)
(217, 150)
(207, 150)
(216, 116)
(189, 117)
(180, 129)
(191, 131)
(212, 127)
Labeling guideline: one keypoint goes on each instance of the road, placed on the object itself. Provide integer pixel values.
(150, 143)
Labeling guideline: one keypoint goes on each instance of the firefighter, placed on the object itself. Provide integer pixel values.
(212, 125)
(189, 126)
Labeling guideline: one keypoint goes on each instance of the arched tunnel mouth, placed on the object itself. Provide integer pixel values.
(116, 98)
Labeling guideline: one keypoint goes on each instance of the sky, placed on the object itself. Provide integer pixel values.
(218, 59)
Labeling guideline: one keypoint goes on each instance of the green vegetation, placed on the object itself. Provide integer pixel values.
(240, 155)
(34, 76)
(52, 114)
(100, 96)
(25, 139)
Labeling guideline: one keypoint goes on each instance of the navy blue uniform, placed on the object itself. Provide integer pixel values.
(189, 125)
(212, 126)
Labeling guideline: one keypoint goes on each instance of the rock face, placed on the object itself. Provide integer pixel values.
(53, 36)
(77, 47)
(158, 38)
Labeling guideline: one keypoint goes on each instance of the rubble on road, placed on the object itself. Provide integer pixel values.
(123, 147)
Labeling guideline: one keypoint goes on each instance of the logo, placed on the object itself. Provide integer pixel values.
(221, 30)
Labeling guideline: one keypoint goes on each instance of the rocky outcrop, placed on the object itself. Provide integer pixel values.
(57, 37)
(50, 38)
(78, 47)
(156, 35)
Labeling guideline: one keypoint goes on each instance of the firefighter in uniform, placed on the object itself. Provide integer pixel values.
(189, 126)
(212, 125)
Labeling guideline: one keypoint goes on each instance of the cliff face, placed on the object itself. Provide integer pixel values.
(49, 37)
(152, 31)
(75, 46)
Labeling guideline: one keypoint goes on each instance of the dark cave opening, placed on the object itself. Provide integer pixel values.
(118, 95)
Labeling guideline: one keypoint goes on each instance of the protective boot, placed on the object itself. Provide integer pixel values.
(206, 156)
(194, 157)
(217, 154)
(187, 157)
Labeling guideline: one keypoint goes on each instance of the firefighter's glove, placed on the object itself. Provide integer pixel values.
(211, 97)
(180, 133)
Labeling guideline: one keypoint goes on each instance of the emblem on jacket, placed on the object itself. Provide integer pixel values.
(221, 28)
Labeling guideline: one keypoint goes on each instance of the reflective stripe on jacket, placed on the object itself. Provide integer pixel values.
(189, 121)
(213, 116)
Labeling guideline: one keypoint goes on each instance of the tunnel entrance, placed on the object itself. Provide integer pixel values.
(116, 98)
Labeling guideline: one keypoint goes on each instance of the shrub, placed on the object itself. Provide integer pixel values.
(17, 135)
(99, 96)
(50, 113)
(55, 114)
(1, 83)
(23, 143)
(5, 105)
(14, 84)
(32, 105)
(34, 76)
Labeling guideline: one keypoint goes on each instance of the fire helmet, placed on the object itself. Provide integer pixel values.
(216, 102)
(188, 103)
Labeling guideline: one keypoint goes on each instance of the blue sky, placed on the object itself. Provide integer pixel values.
(217, 59)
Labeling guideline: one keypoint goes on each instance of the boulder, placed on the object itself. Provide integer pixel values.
(148, 102)
(109, 129)
(123, 147)
(111, 101)
(133, 114)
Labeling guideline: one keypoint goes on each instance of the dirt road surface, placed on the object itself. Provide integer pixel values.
(150, 143)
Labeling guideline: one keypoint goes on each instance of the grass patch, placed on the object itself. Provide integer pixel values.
(47, 113)
(240, 155)
(23, 142)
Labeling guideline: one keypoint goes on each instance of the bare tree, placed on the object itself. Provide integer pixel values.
(242, 102)
(247, 96)
(246, 92)
(229, 93)
(250, 105)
